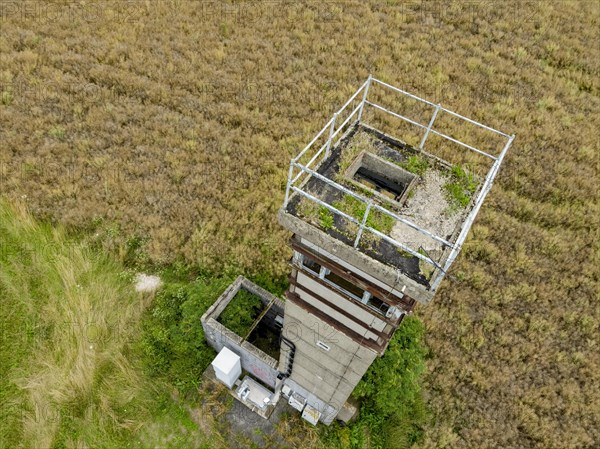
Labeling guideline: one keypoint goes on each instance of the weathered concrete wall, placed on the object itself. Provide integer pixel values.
(350, 324)
(328, 413)
(255, 361)
(276, 309)
(326, 377)
(386, 169)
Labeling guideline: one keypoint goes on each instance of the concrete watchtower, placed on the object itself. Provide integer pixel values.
(376, 221)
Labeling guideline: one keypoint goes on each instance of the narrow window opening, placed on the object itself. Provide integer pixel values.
(378, 304)
(311, 265)
(322, 345)
(345, 286)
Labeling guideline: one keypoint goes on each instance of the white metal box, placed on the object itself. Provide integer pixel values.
(227, 366)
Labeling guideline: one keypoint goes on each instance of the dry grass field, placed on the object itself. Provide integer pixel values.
(171, 124)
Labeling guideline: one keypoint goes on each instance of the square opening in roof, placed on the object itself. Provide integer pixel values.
(385, 180)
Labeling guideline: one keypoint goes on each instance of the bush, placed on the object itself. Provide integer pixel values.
(392, 411)
(173, 343)
(240, 313)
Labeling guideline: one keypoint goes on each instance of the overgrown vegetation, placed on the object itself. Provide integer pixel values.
(173, 344)
(393, 413)
(68, 317)
(120, 367)
(70, 371)
(241, 312)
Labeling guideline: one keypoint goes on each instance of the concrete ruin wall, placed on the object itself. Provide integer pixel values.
(326, 378)
(276, 309)
(254, 361)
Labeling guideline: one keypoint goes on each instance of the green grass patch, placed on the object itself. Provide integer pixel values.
(77, 368)
(241, 312)
(416, 164)
(357, 208)
(461, 187)
(69, 376)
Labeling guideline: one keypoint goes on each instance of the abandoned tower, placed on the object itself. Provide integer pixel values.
(379, 204)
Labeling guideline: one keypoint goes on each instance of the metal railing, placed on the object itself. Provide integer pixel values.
(335, 131)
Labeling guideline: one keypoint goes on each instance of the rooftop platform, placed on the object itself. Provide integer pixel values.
(404, 205)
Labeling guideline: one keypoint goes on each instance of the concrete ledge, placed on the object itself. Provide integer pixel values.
(265, 412)
(388, 275)
(348, 412)
(391, 171)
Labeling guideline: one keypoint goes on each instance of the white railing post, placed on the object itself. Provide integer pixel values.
(362, 225)
(364, 99)
(331, 129)
(289, 184)
(435, 113)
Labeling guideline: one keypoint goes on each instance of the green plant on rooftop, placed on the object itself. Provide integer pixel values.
(356, 209)
(316, 214)
(460, 187)
(416, 164)
(325, 218)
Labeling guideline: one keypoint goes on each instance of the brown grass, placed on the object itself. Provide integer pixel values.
(178, 123)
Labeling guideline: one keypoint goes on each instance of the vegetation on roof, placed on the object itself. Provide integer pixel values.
(416, 164)
(461, 186)
(357, 208)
